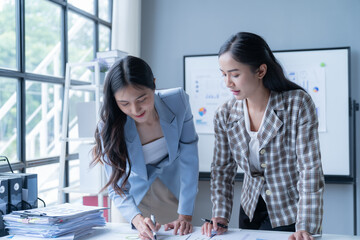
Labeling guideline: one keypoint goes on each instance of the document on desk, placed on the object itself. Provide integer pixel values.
(19, 237)
(62, 211)
(232, 234)
(240, 235)
(54, 221)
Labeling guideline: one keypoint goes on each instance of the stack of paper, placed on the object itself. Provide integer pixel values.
(55, 221)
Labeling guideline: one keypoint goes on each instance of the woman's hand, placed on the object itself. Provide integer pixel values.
(207, 227)
(145, 227)
(301, 235)
(182, 224)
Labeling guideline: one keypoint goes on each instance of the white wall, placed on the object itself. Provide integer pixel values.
(126, 31)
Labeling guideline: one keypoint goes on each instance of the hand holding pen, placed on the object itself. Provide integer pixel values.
(216, 224)
(145, 226)
(152, 217)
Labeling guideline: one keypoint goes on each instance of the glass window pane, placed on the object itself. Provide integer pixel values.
(43, 119)
(86, 5)
(104, 10)
(104, 38)
(48, 183)
(7, 34)
(43, 37)
(8, 119)
(81, 41)
(74, 180)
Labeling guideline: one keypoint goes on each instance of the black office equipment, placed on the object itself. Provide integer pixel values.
(4, 196)
(15, 192)
(29, 189)
(3, 232)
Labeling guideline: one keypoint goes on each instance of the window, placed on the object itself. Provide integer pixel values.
(104, 38)
(43, 119)
(8, 118)
(37, 38)
(81, 40)
(43, 37)
(8, 34)
(105, 10)
(86, 5)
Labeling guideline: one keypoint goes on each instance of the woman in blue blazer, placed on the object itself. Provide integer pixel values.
(147, 141)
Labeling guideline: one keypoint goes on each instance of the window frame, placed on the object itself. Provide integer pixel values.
(21, 76)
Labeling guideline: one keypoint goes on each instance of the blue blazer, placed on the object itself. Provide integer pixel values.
(179, 171)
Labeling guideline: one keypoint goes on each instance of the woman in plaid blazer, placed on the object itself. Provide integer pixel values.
(269, 130)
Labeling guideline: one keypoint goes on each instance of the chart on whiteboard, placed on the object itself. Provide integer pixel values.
(312, 79)
(208, 92)
(207, 89)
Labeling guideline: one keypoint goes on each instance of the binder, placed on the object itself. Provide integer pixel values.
(29, 189)
(3, 232)
(4, 196)
(14, 191)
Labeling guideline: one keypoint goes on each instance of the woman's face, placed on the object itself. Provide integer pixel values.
(239, 77)
(138, 103)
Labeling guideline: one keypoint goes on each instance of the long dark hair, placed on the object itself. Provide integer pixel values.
(110, 140)
(251, 49)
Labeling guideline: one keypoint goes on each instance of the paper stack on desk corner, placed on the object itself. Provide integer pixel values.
(55, 221)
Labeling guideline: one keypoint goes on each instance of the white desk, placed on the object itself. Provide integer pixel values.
(118, 231)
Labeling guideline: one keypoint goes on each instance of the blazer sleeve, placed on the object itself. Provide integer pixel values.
(223, 169)
(125, 204)
(189, 161)
(311, 178)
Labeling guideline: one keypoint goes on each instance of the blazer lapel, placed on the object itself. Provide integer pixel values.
(272, 122)
(238, 134)
(169, 127)
(170, 130)
(134, 147)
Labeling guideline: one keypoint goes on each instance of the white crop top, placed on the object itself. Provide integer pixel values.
(254, 141)
(155, 151)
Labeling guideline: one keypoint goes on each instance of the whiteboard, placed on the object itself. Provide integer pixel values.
(324, 73)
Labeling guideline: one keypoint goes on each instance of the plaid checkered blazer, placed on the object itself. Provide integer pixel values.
(291, 182)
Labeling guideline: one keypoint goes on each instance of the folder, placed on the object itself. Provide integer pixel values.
(2, 226)
(4, 196)
(15, 192)
(29, 189)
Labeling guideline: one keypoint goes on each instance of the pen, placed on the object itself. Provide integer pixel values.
(26, 214)
(316, 235)
(152, 217)
(210, 221)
